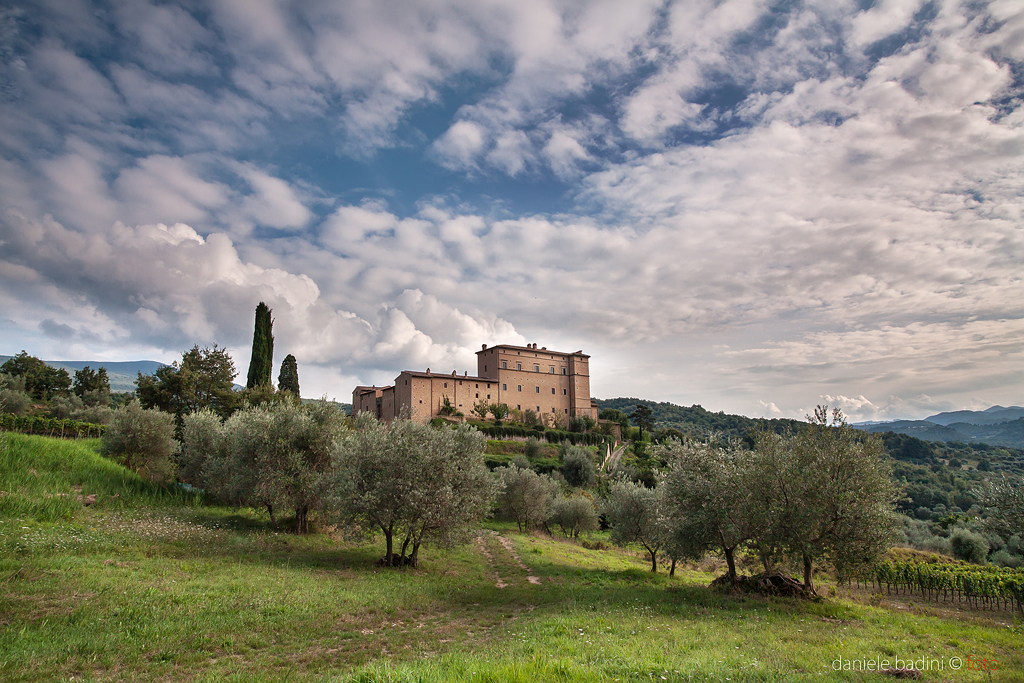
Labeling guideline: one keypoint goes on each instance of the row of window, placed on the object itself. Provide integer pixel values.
(519, 387)
(460, 384)
(536, 368)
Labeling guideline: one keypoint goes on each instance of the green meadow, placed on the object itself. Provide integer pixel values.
(145, 584)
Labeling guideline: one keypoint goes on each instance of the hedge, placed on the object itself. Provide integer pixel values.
(550, 435)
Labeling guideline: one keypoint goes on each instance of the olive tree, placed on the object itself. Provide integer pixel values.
(143, 439)
(525, 497)
(276, 455)
(632, 513)
(1003, 501)
(578, 467)
(830, 492)
(411, 481)
(706, 499)
(574, 514)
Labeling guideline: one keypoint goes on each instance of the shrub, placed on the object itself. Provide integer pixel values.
(579, 469)
(968, 546)
(525, 497)
(532, 448)
(143, 439)
(581, 423)
(574, 515)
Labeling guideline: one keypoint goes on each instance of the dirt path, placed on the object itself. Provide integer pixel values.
(511, 548)
(482, 540)
(482, 544)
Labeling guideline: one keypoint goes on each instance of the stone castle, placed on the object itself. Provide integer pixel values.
(553, 384)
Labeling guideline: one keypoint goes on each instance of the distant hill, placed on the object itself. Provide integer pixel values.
(993, 415)
(922, 429)
(996, 426)
(695, 420)
(122, 375)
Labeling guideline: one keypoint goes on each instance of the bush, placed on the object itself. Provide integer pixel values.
(525, 497)
(579, 469)
(522, 462)
(574, 515)
(143, 439)
(581, 423)
(532, 448)
(14, 398)
(968, 546)
(1005, 559)
(14, 402)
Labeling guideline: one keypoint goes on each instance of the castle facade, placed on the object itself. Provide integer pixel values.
(553, 384)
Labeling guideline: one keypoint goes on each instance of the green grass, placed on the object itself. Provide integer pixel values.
(151, 586)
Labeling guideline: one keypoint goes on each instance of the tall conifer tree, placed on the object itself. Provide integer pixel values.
(261, 365)
(289, 377)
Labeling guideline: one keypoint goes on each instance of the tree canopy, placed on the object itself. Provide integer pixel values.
(203, 379)
(42, 382)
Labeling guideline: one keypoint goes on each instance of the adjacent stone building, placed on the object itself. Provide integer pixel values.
(550, 383)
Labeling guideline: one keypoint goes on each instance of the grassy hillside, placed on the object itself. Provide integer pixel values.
(146, 585)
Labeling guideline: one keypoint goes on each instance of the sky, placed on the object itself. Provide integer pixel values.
(753, 206)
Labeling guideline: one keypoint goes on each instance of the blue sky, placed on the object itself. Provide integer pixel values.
(755, 206)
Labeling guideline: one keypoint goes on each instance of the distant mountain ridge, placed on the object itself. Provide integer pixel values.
(697, 421)
(996, 426)
(122, 374)
(993, 415)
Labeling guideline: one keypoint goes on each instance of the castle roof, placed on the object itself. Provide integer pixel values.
(533, 348)
(439, 375)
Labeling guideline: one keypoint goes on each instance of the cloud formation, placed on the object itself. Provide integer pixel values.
(746, 206)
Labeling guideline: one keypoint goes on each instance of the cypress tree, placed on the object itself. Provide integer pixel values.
(261, 365)
(289, 377)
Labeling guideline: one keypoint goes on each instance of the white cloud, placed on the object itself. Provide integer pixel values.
(460, 144)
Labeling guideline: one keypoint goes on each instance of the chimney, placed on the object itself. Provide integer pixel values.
(483, 347)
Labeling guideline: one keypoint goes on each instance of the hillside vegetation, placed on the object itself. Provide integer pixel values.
(146, 583)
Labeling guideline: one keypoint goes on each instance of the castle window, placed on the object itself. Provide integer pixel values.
(520, 387)
(488, 395)
(552, 369)
(538, 409)
(504, 387)
(519, 366)
(552, 409)
(563, 371)
(446, 385)
(478, 394)
(477, 386)
(538, 389)
(536, 368)
(519, 407)
(460, 382)
(565, 392)
(566, 410)
(552, 390)
(504, 365)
